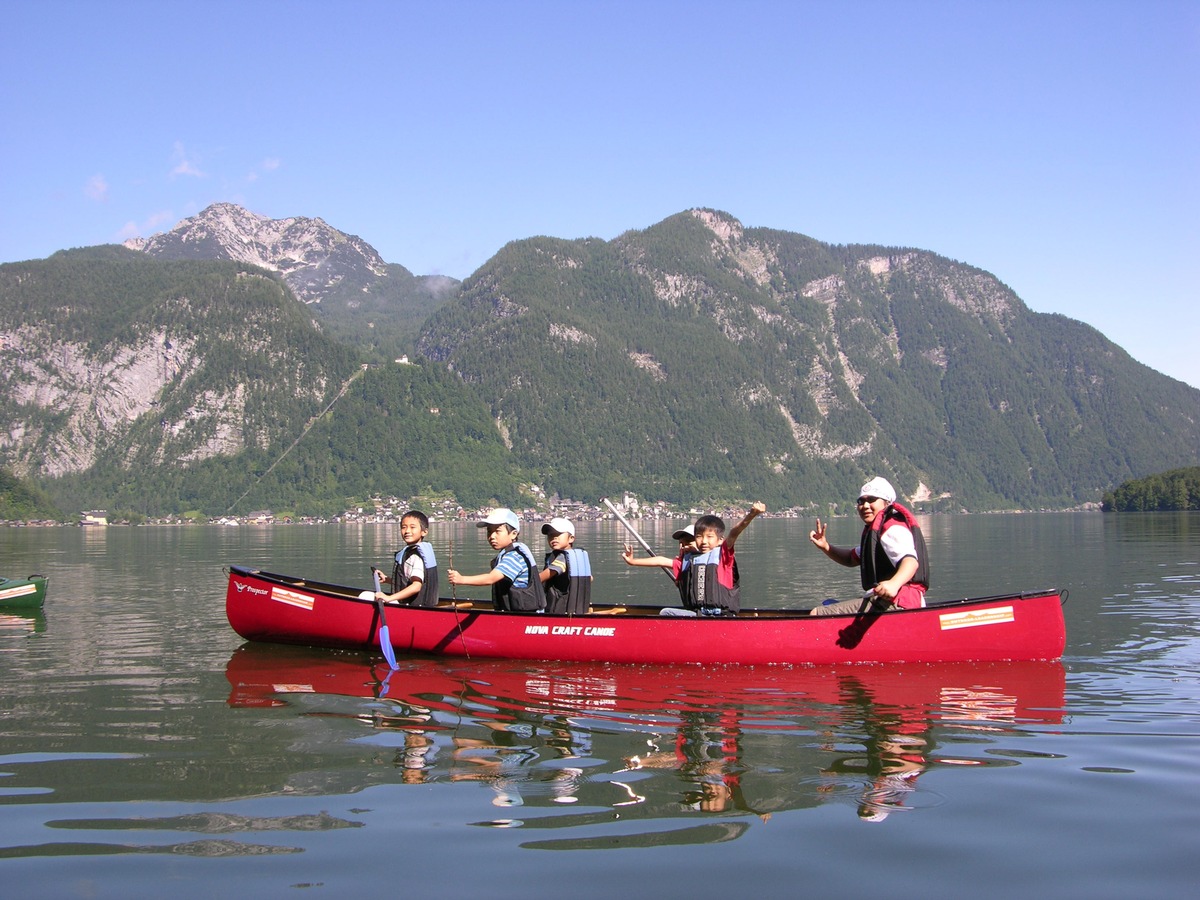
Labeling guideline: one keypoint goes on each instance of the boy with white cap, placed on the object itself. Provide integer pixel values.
(686, 536)
(568, 573)
(513, 577)
(891, 554)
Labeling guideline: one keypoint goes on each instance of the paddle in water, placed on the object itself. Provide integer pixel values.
(385, 636)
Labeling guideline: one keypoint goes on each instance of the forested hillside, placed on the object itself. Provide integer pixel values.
(695, 361)
(399, 431)
(698, 360)
(123, 376)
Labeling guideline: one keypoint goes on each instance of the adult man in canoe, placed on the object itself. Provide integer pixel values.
(891, 554)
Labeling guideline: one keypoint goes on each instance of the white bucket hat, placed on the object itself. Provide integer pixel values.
(878, 487)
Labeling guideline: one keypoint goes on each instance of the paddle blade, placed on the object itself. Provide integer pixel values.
(385, 634)
(385, 644)
(383, 685)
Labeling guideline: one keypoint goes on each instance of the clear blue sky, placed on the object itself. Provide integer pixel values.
(1055, 144)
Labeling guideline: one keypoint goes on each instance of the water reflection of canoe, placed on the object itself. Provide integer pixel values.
(268, 607)
(22, 620)
(630, 755)
(23, 593)
(1008, 692)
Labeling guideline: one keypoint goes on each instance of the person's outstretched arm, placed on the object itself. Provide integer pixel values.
(631, 560)
(756, 510)
(843, 555)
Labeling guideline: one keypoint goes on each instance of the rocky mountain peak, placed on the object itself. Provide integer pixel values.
(726, 228)
(311, 255)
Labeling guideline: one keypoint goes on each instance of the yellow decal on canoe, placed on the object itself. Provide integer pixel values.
(18, 591)
(293, 689)
(292, 598)
(971, 618)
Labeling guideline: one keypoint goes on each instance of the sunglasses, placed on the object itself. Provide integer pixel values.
(867, 500)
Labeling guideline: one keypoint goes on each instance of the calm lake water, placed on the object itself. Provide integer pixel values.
(146, 751)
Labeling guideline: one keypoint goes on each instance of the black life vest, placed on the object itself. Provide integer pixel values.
(701, 587)
(513, 599)
(428, 595)
(571, 592)
(876, 566)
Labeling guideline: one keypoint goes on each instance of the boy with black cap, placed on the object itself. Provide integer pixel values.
(568, 573)
(513, 577)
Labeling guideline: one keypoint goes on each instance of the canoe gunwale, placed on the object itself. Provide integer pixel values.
(624, 610)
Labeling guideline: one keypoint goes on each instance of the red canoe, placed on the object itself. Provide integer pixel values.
(267, 607)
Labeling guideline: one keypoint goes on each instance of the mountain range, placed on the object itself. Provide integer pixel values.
(242, 360)
(352, 292)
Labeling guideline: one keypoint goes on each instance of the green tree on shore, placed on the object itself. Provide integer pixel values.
(21, 502)
(1176, 490)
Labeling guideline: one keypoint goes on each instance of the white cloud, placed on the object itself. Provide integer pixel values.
(183, 164)
(158, 219)
(270, 164)
(97, 188)
(152, 225)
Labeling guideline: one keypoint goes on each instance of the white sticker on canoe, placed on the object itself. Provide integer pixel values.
(292, 598)
(21, 591)
(971, 618)
(573, 630)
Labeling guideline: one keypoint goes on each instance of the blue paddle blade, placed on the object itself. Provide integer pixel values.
(385, 643)
(385, 635)
(383, 685)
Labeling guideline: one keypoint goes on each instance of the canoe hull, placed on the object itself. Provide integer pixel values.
(23, 593)
(262, 606)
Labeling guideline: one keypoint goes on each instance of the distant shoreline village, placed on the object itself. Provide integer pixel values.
(385, 511)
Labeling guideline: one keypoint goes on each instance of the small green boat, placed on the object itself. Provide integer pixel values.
(23, 593)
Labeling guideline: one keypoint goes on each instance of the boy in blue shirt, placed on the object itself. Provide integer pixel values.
(514, 574)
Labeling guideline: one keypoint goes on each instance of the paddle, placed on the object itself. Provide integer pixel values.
(385, 636)
(868, 614)
(616, 512)
(454, 603)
